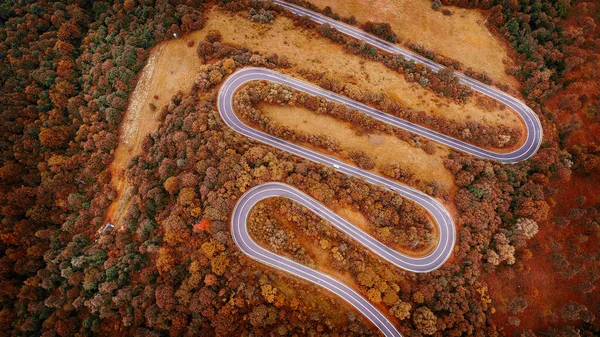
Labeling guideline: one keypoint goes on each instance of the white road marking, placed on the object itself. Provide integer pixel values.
(442, 218)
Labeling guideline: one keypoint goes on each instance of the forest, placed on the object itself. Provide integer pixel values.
(68, 70)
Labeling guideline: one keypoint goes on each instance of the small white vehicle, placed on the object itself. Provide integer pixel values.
(336, 166)
(107, 228)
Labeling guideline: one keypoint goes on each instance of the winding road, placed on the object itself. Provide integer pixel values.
(443, 220)
(532, 122)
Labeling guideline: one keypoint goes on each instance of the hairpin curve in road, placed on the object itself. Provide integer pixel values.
(443, 220)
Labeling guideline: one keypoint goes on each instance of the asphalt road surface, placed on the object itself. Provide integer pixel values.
(438, 212)
(532, 122)
(241, 211)
(443, 220)
(251, 248)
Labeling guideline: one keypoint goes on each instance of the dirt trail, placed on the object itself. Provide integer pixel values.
(133, 129)
(171, 67)
(307, 50)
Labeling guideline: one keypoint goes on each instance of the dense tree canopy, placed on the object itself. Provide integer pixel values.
(67, 69)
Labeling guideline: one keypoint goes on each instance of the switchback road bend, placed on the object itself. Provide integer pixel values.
(443, 220)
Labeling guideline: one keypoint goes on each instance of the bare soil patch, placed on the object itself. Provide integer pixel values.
(462, 36)
(384, 149)
(173, 65)
(307, 50)
(170, 68)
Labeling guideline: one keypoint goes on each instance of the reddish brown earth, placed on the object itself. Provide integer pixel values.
(538, 279)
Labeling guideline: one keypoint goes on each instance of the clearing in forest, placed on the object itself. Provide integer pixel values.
(173, 65)
(461, 36)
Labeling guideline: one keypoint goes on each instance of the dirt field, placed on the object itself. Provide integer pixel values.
(384, 149)
(462, 36)
(308, 50)
(538, 273)
(173, 65)
(168, 70)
